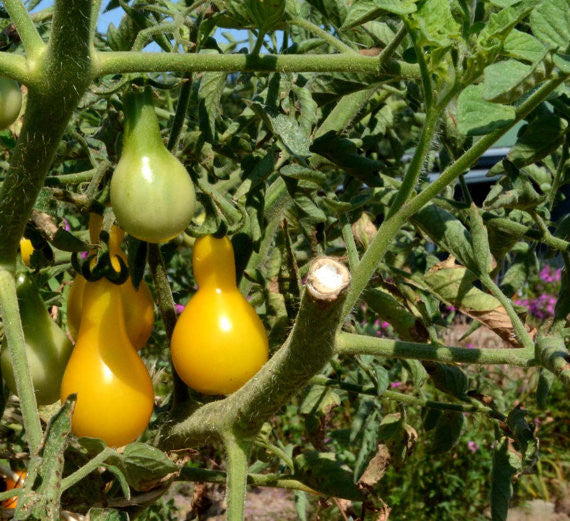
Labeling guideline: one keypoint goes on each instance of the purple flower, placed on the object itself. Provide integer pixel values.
(472, 446)
(395, 385)
(84, 254)
(385, 325)
(66, 225)
(179, 308)
(470, 346)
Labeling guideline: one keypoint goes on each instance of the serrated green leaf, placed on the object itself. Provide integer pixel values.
(550, 22)
(476, 116)
(209, 95)
(319, 400)
(480, 240)
(523, 46)
(538, 139)
(447, 432)
(325, 474)
(107, 514)
(503, 76)
(506, 463)
(144, 464)
(436, 23)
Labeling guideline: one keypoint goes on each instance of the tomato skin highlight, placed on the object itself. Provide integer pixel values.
(152, 194)
(12, 502)
(47, 346)
(219, 342)
(10, 102)
(115, 396)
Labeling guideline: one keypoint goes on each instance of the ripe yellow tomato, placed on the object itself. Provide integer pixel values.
(219, 342)
(138, 304)
(12, 502)
(115, 396)
(26, 250)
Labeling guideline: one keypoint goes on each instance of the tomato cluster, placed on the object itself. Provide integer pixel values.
(218, 343)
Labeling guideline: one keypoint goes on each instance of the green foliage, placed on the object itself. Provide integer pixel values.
(312, 133)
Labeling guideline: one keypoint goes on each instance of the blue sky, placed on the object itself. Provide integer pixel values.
(104, 18)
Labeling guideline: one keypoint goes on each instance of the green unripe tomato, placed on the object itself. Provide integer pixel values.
(47, 346)
(10, 102)
(152, 194)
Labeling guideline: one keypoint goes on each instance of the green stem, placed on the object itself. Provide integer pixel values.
(475, 407)
(352, 344)
(89, 467)
(126, 62)
(527, 232)
(256, 480)
(554, 355)
(426, 79)
(168, 314)
(27, 31)
(60, 78)
(390, 49)
(17, 349)
(71, 179)
(520, 332)
(321, 33)
(348, 236)
(180, 114)
(258, 43)
(7, 494)
(418, 160)
(391, 226)
(237, 453)
(14, 66)
(559, 172)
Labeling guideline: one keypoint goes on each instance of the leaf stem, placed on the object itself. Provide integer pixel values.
(122, 62)
(180, 114)
(475, 407)
(26, 29)
(168, 314)
(17, 350)
(257, 480)
(321, 33)
(348, 236)
(86, 469)
(352, 344)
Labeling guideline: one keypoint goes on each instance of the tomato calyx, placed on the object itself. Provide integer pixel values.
(98, 265)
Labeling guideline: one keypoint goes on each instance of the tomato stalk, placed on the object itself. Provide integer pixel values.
(237, 452)
(17, 349)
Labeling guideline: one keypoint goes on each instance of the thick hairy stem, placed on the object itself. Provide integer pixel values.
(309, 346)
(25, 26)
(126, 62)
(60, 79)
(553, 354)
(237, 453)
(17, 348)
(351, 344)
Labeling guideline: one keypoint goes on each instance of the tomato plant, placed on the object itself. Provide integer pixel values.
(317, 161)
